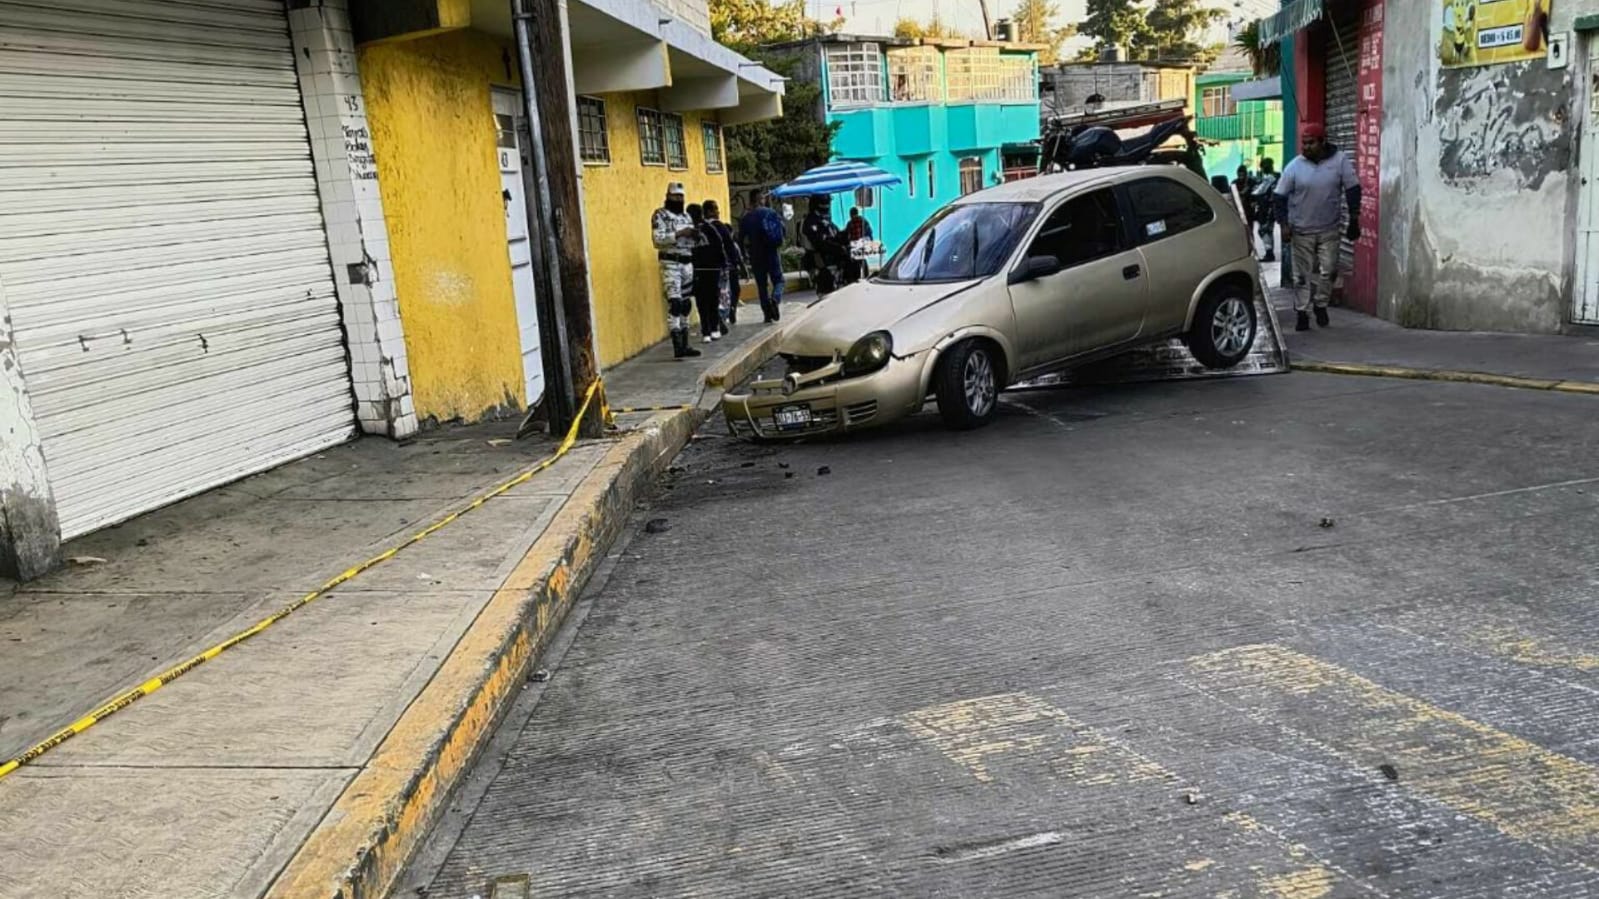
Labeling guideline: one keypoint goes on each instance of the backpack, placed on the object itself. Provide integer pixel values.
(772, 229)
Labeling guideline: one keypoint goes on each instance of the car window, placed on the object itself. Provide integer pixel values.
(1162, 207)
(1081, 230)
(960, 242)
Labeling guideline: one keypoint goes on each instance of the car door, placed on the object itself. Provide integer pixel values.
(1183, 241)
(1096, 299)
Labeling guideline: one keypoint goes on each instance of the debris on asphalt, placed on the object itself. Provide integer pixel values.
(1191, 798)
(823, 470)
(501, 441)
(87, 560)
(539, 676)
(1389, 771)
(1327, 522)
(675, 469)
(746, 465)
(787, 475)
(782, 465)
(656, 526)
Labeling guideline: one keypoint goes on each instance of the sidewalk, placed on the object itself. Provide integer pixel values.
(1356, 339)
(307, 760)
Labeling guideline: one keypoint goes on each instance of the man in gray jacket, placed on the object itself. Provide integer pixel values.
(1309, 201)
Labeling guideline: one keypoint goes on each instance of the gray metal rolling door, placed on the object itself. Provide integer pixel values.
(162, 249)
(1342, 95)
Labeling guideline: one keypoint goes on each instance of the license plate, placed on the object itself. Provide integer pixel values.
(792, 417)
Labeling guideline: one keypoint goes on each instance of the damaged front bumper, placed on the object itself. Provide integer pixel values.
(824, 401)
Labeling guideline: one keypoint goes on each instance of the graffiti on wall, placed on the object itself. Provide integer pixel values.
(1507, 118)
(1485, 32)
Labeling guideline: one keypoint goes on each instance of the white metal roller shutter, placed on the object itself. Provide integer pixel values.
(1342, 95)
(162, 249)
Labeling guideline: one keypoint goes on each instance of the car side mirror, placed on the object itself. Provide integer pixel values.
(1035, 267)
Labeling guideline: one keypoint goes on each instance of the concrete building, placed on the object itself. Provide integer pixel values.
(948, 116)
(1236, 131)
(231, 237)
(1069, 87)
(1468, 136)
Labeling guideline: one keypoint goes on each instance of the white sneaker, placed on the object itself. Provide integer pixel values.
(706, 339)
(716, 335)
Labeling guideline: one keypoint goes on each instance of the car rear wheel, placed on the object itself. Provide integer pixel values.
(1224, 327)
(967, 385)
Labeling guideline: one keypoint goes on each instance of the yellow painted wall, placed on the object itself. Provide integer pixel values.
(619, 198)
(432, 123)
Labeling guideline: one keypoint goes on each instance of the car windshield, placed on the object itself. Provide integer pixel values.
(960, 243)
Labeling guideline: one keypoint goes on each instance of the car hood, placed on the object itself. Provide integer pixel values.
(847, 315)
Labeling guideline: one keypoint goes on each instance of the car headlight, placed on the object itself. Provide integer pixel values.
(869, 354)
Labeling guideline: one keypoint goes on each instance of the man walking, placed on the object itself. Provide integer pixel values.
(762, 231)
(674, 235)
(1309, 203)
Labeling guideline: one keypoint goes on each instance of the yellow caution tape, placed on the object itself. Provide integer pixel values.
(129, 697)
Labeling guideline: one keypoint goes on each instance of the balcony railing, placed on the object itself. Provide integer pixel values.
(1257, 124)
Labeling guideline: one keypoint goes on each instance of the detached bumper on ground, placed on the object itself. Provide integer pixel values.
(824, 401)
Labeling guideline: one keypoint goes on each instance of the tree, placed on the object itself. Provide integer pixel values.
(1174, 26)
(1035, 24)
(1114, 23)
(780, 149)
(934, 27)
(1266, 59)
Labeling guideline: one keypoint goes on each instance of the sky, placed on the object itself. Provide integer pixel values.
(874, 17)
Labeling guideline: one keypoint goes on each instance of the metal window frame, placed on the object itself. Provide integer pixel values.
(855, 75)
(915, 75)
(591, 110)
(651, 125)
(711, 132)
(676, 155)
(964, 169)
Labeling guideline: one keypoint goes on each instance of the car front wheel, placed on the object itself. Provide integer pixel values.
(1224, 328)
(967, 385)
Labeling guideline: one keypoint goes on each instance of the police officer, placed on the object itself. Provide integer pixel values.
(822, 238)
(674, 235)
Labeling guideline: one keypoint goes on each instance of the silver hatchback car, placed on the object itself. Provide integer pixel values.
(1008, 283)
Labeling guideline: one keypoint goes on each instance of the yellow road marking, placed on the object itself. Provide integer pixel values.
(1525, 791)
(981, 734)
(1527, 650)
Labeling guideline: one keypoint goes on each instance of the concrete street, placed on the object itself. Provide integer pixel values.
(1296, 636)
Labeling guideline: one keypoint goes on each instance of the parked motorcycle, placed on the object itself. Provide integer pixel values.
(1091, 140)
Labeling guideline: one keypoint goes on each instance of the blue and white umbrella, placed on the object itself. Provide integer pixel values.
(836, 177)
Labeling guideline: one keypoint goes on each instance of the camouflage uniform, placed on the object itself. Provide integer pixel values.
(677, 265)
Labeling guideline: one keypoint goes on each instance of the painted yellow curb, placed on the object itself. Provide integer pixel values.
(1447, 375)
(364, 841)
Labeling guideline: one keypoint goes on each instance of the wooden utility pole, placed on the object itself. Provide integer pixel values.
(988, 26)
(558, 222)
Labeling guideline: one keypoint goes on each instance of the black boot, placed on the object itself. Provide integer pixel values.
(1302, 322)
(680, 345)
(1321, 316)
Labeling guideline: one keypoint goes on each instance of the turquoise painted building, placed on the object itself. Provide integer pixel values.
(947, 116)
(1236, 132)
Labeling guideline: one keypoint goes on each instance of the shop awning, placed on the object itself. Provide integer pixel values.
(1293, 16)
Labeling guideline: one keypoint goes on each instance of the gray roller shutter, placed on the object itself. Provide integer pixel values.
(1342, 96)
(162, 249)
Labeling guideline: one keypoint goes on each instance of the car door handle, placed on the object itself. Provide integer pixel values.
(1132, 272)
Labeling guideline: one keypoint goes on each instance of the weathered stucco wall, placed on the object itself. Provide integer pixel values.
(618, 200)
(1478, 185)
(434, 138)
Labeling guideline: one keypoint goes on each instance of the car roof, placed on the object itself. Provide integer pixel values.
(1048, 186)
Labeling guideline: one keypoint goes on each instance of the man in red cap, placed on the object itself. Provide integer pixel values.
(1309, 202)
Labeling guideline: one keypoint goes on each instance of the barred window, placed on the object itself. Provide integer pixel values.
(1216, 101)
(651, 141)
(854, 74)
(913, 72)
(676, 145)
(713, 147)
(593, 144)
(971, 175)
(982, 73)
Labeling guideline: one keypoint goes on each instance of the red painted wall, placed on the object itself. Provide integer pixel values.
(1361, 291)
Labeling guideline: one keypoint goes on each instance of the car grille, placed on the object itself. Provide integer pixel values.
(860, 413)
(804, 365)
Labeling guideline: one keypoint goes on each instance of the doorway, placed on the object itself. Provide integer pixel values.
(507, 117)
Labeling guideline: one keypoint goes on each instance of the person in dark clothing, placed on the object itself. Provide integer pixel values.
(1265, 213)
(823, 239)
(857, 228)
(1245, 186)
(762, 232)
(709, 260)
(729, 295)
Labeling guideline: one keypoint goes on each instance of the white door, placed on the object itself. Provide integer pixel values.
(507, 106)
(1585, 298)
(163, 250)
